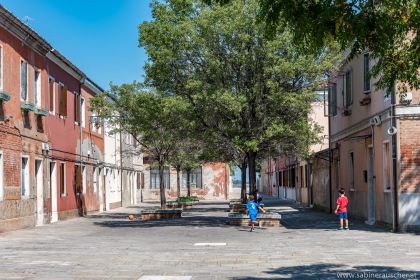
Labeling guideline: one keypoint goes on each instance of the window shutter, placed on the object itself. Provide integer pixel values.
(76, 108)
(63, 101)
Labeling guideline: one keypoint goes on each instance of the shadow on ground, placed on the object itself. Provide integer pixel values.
(327, 271)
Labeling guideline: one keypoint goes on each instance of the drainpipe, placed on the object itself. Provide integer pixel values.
(330, 158)
(395, 223)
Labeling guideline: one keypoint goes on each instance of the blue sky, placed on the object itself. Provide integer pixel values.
(100, 37)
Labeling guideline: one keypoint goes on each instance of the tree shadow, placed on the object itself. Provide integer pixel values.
(333, 271)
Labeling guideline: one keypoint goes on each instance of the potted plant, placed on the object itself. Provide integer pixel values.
(365, 101)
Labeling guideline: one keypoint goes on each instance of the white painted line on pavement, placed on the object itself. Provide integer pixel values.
(210, 244)
(151, 277)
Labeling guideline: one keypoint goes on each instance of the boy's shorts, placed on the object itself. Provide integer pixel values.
(253, 217)
(342, 215)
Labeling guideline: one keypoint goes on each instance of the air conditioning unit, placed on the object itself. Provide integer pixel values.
(406, 99)
(45, 147)
(376, 120)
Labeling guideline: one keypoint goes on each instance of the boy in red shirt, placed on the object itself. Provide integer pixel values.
(341, 210)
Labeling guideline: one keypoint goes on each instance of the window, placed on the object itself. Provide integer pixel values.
(1, 176)
(333, 99)
(82, 111)
(76, 108)
(347, 89)
(366, 70)
(24, 80)
(25, 178)
(388, 93)
(37, 88)
(95, 179)
(155, 180)
(351, 171)
(62, 179)
(195, 179)
(51, 95)
(62, 100)
(386, 167)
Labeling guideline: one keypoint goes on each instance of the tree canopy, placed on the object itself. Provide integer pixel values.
(254, 92)
(387, 28)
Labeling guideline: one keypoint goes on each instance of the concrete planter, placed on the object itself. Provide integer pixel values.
(239, 208)
(267, 219)
(161, 214)
(181, 205)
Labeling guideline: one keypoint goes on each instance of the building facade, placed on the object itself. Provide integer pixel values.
(375, 147)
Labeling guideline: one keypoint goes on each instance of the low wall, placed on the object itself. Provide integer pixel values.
(161, 214)
(267, 219)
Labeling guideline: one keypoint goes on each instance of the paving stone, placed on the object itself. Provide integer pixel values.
(108, 246)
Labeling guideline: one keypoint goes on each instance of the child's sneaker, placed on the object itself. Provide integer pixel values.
(259, 224)
(340, 228)
(346, 228)
(251, 230)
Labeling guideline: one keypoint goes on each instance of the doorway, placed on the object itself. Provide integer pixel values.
(39, 193)
(371, 189)
(53, 187)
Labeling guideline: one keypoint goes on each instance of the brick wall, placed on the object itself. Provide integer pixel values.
(410, 155)
(11, 145)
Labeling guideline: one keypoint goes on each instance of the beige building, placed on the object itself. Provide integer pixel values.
(375, 147)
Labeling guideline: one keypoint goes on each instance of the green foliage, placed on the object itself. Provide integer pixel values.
(154, 120)
(248, 94)
(389, 29)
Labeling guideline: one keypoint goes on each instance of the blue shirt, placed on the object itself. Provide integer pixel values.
(252, 206)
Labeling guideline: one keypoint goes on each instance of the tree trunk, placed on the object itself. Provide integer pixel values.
(252, 156)
(188, 183)
(162, 185)
(243, 181)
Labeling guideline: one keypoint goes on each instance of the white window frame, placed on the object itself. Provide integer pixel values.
(25, 192)
(37, 88)
(95, 179)
(21, 82)
(1, 176)
(84, 178)
(348, 103)
(386, 165)
(366, 90)
(82, 111)
(64, 192)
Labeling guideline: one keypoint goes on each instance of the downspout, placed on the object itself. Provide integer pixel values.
(330, 158)
(395, 222)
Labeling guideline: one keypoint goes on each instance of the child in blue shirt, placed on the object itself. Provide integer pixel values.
(252, 210)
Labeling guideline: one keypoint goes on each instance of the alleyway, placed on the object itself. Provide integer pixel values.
(202, 246)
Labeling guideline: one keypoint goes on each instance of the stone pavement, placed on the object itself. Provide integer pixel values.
(202, 246)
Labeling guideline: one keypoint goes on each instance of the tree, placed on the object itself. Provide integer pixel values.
(387, 28)
(148, 117)
(249, 90)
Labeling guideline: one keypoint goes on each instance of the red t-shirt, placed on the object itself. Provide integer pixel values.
(342, 201)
